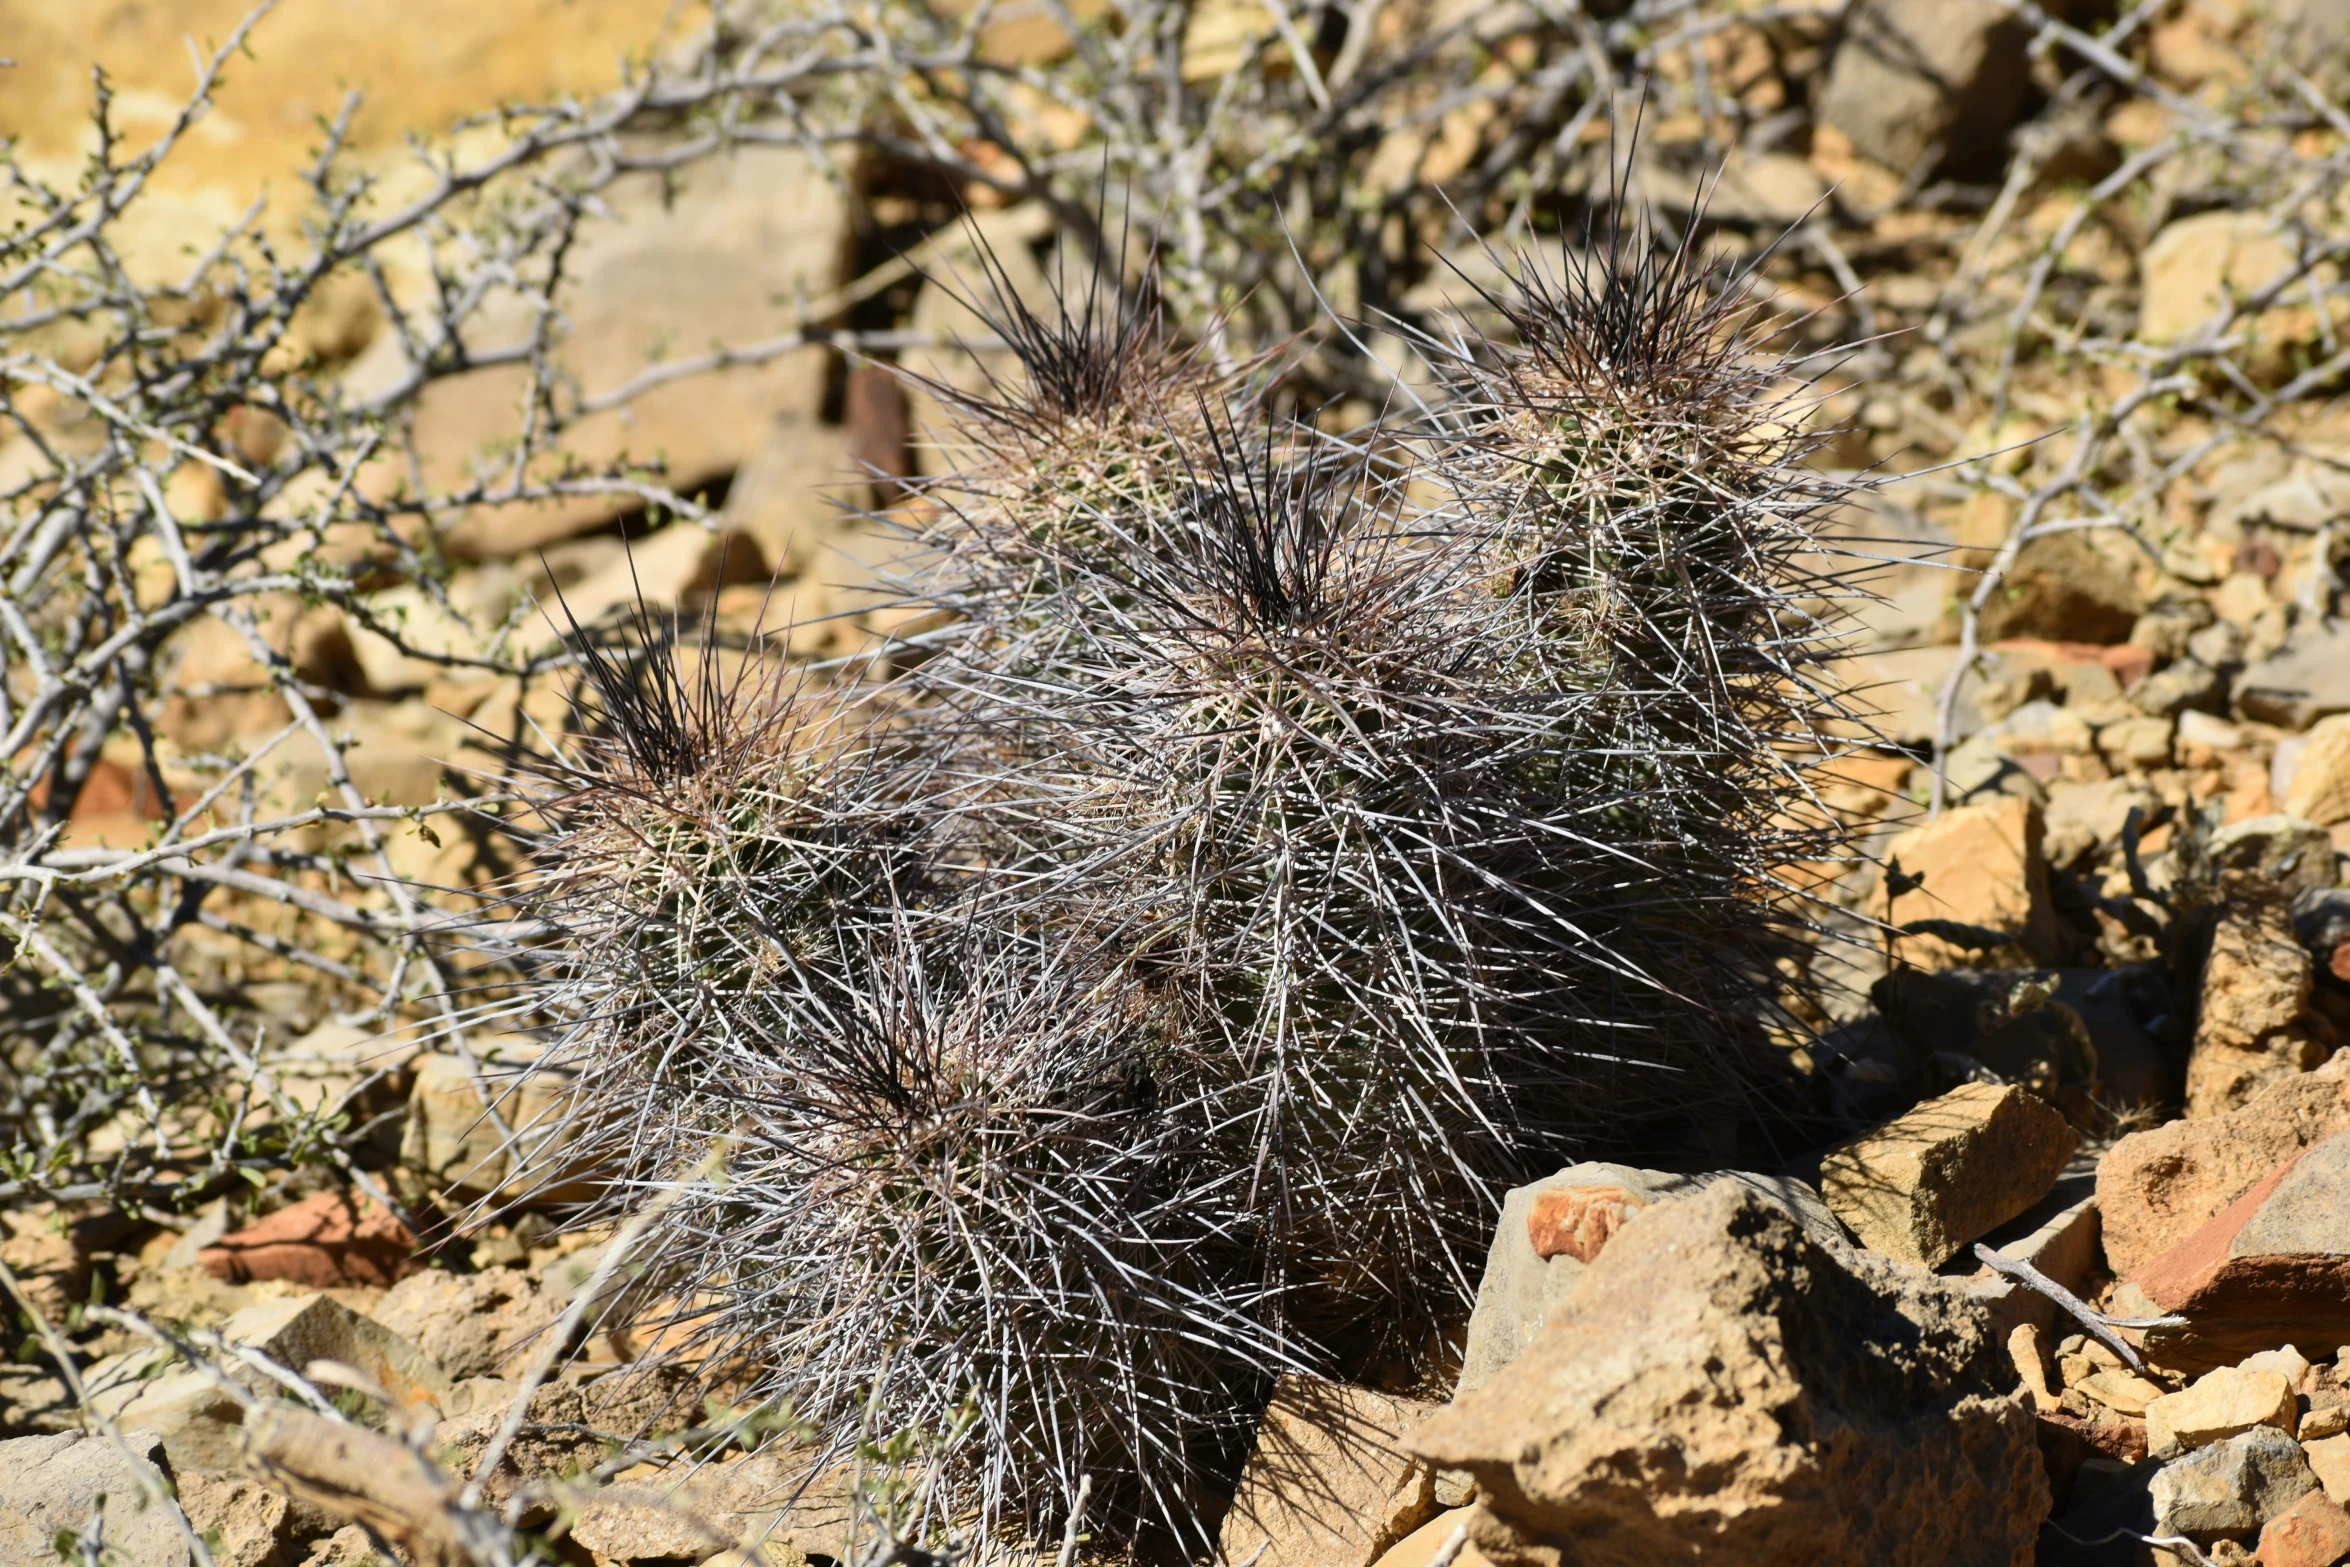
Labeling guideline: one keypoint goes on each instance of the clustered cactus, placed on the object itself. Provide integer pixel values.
(1288, 842)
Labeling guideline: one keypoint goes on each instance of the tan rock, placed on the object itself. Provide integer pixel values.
(1705, 1398)
(1524, 1281)
(50, 1257)
(2218, 1405)
(1982, 875)
(724, 258)
(2140, 744)
(251, 1523)
(488, 1134)
(1420, 1547)
(1915, 80)
(425, 626)
(2330, 1457)
(198, 1421)
(2195, 265)
(1923, 1187)
(633, 1523)
(2156, 1188)
(2320, 786)
(1330, 1483)
(61, 1484)
(318, 1069)
(2253, 1027)
(471, 1324)
(766, 1501)
(556, 1440)
(678, 568)
(2122, 1391)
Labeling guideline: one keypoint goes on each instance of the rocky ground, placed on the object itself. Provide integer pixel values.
(2064, 1274)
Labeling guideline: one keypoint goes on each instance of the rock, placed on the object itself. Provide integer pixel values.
(2219, 1404)
(2319, 789)
(2058, 1236)
(471, 1324)
(68, 1482)
(2271, 1268)
(2253, 1026)
(1946, 1173)
(252, 1524)
(1981, 896)
(33, 1402)
(454, 1138)
(2024, 1024)
(328, 1241)
(2313, 1532)
(2329, 1460)
(2287, 1362)
(197, 1420)
(348, 1546)
(768, 1500)
(556, 1438)
(1329, 1484)
(2083, 818)
(2293, 855)
(680, 567)
(1980, 769)
(721, 256)
(1899, 691)
(1578, 1221)
(2064, 588)
(2124, 1392)
(2194, 265)
(2137, 744)
(646, 1523)
(1523, 1284)
(1776, 189)
(2188, 685)
(1419, 1548)
(2305, 680)
(2221, 644)
(2157, 1187)
(2231, 1488)
(1913, 79)
(327, 1063)
(2322, 921)
(426, 626)
(2205, 741)
(50, 1257)
(1705, 1396)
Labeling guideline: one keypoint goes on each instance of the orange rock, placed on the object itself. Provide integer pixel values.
(322, 1242)
(2313, 1532)
(1576, 1221)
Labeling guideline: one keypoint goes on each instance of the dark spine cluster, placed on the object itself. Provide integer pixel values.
(1290, 841)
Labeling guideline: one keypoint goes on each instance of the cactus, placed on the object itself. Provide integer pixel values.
(1290, 843)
